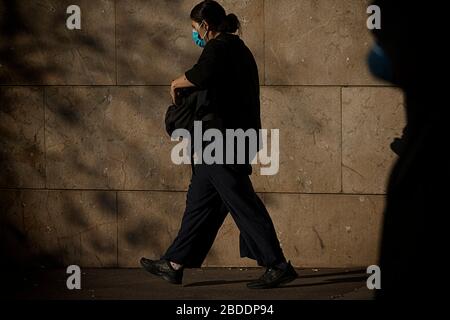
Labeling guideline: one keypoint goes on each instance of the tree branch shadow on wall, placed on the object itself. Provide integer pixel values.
(28, 218)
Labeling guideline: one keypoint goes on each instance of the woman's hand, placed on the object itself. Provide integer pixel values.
(181, 82)
(172, 91)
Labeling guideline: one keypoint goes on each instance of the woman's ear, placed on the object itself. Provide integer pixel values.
(205, 25)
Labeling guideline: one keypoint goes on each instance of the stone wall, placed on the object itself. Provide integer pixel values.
(86, 175)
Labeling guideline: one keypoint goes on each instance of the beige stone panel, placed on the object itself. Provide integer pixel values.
(148, 223)
(309, 124)
(59, 228)
(13, 244)
(372, 118)
(111, 137)
(313, 42)
(11, 212)
(38, 48)
(22, 157)
(154, 38)
(327, 230)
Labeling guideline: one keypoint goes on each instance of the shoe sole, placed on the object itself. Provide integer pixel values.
(161, 275)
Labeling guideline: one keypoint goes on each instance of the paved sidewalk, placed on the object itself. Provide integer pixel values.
(205, 283)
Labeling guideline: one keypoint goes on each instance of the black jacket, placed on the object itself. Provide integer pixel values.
(228, 70)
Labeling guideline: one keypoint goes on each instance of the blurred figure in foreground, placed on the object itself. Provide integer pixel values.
(409, 54)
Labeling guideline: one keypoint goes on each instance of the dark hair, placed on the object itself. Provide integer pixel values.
(214, 14)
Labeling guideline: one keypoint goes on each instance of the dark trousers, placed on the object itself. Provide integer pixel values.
(214, 191)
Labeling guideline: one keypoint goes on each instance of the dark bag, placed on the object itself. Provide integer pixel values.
(191, 104)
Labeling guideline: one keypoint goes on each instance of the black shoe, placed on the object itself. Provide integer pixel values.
(273, 277)
(163, 269)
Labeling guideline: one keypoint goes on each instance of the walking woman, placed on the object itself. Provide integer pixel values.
(227, 69)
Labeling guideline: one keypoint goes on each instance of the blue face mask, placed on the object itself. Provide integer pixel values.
(198, 41)
(196, 37)
(379, 64)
